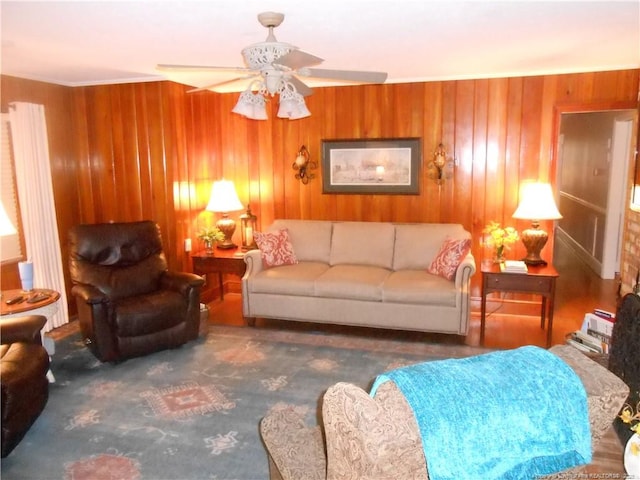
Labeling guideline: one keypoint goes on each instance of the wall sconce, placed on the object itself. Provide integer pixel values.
(440, 168)
(248, 225)
(302, 164)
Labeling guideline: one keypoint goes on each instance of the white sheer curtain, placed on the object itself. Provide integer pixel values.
(35, 193)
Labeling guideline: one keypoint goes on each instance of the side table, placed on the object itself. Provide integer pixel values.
(540, 280)
(221, 261)
(46, 307)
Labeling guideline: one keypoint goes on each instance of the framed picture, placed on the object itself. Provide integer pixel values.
(387, 165)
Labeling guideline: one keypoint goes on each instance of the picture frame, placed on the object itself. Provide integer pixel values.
(372, 166)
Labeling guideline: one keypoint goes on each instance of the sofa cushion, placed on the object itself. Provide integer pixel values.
(360, 282)
(298, 279)
(416, 245)
(418, 286)
(362, 243)
(275, 248)
(311, 239)
(451, 254)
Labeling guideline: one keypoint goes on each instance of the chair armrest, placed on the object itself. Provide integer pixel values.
(296, 452)
(88, 293)
(181, 281)
(22, 329)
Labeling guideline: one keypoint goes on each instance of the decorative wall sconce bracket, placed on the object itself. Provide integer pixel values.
(303, 165)
(441, 167)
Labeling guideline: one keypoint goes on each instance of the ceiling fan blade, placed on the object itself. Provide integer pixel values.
(219, 84)
(346, 75)
(301, 87)
(195, 68)
(297, 59)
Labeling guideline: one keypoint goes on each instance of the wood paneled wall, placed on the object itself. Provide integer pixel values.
(119, 150)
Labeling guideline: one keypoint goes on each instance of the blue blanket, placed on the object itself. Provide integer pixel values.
(513, 414)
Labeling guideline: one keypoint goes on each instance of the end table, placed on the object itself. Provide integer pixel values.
(221, 261)
(540, 280)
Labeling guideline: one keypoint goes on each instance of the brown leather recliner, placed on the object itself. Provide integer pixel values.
(23, 377)
(129, 304)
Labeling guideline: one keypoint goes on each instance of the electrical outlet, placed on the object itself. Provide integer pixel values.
(187, 245)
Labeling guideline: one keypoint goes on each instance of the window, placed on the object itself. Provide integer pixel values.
(10, 246)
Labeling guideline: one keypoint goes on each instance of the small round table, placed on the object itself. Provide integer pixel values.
(24, 306)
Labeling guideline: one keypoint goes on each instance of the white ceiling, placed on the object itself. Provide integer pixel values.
(78, 43)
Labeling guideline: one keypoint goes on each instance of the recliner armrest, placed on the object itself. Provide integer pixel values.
(88, 293)
(22, 329)
(180, 281)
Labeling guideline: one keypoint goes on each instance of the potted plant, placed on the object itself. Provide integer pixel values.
(500, 238)
(210, 235)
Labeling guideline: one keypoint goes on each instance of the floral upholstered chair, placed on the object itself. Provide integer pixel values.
(365, 437)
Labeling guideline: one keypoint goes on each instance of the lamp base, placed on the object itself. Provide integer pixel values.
(534, 240)
(227, 226)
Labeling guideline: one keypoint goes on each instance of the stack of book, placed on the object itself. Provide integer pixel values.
(595, 333)
(513, 266)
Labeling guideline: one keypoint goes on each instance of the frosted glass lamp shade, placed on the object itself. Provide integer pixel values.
(251, 105)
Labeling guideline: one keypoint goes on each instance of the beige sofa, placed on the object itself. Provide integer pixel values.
(378, 438)
(371, 274)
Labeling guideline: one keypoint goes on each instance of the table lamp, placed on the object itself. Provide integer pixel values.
(224, 199)
(536, 203)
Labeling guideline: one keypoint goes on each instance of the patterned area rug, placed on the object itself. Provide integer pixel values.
(193, 412)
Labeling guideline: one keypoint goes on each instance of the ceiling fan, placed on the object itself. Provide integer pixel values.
(273, 67)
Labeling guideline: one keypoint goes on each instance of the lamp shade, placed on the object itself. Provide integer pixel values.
(224, 197)
(6, 227)
(251, 105)
(537, 203)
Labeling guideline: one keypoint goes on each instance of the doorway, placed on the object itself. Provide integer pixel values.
(593, 152)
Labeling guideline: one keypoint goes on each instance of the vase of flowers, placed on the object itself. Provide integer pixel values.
(500, 239)
(209, 236)
(632, 449)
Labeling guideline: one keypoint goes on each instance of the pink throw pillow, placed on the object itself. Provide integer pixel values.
(275, 248)
(451, 254)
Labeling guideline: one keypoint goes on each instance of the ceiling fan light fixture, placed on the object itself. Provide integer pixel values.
(251, 105)
(292, 104)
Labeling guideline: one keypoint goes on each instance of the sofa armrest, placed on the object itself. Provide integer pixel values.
(254, 263)
(465, 271)
(606, 393)
(296, 452)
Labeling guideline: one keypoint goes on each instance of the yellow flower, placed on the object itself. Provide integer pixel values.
(211, 234)
(500, 236)
(626, 415)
